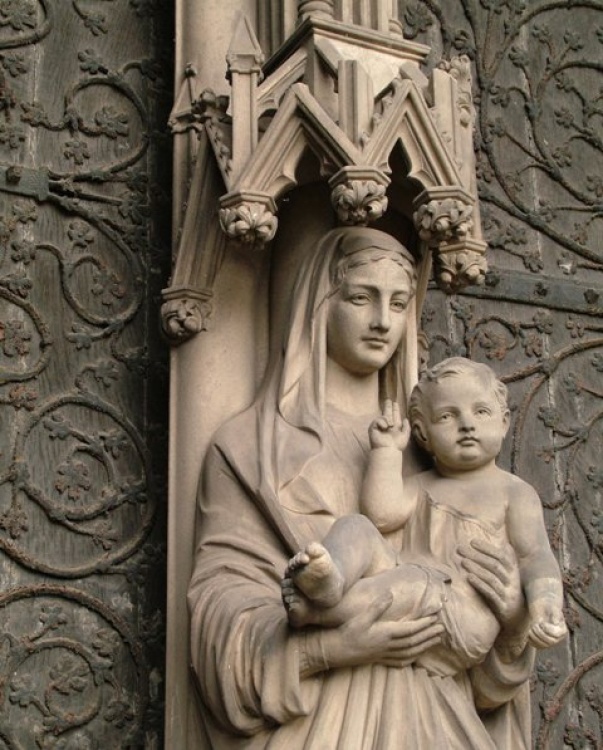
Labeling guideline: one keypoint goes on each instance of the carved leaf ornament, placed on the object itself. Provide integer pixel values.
(443, 221)
(359, 202)
(249, 223)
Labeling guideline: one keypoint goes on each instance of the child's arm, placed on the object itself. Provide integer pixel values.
(384, 497)
(539, 570)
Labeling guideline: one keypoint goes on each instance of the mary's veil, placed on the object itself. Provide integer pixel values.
(290, 407)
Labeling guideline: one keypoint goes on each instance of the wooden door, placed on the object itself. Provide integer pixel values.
(84, 242)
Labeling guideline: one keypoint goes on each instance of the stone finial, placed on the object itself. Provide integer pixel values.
(244, 54)
(244, 70)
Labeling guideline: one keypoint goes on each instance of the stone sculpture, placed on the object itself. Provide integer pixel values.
(329, 114)
(280, 476)
(459, 414)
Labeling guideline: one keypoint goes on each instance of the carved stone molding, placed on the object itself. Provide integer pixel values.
(358, 195)
(244, 60)
(459, 68)
(444, 221)
(315, 9)
(396, 28)
(352, 137)
(248, 218)
(185, 313)
(460, 264)
(319, 96)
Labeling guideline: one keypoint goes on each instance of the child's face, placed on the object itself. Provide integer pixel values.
(464, 423)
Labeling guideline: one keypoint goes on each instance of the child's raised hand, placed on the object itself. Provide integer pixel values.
(390, 430)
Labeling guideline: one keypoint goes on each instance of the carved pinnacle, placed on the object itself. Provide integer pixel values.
(244, 67)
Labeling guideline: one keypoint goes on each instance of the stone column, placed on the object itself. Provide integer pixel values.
(204, 32)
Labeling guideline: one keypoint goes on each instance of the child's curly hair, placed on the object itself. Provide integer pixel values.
(448, 368)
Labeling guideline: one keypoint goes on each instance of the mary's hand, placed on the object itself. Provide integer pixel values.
(366, 639)
(493, 571)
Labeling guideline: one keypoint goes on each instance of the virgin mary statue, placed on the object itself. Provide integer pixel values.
(275, 478)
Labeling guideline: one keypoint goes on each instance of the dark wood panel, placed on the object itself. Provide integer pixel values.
(84, 232)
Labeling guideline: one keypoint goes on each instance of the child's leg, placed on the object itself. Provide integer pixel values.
(358, 549)
(351, 550)
(416, 592)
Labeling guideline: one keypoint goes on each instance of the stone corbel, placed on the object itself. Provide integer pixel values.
(358, 195)
(248, 217)
(184, 313)
(460, 264)
(444, 221)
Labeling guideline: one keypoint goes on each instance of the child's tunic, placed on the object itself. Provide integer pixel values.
(432, 537)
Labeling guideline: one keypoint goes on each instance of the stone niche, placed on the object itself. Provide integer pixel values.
(339, 126)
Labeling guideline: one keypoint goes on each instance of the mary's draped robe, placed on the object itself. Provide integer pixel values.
(292, 463)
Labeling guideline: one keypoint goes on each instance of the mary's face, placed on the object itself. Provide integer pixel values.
(367, 316)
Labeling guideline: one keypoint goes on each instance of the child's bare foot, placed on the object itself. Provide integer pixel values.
(315, 574)
(300, 610)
